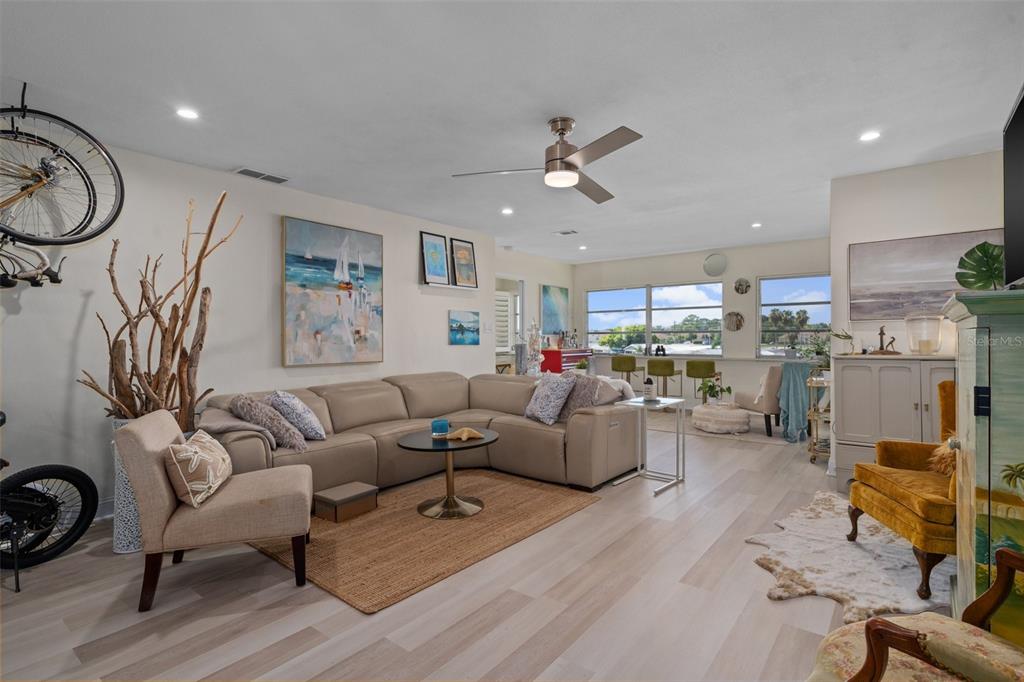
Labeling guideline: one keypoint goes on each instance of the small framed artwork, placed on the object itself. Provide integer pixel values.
(554, 309)
(463, 328)
(434, 254)
(463, 263)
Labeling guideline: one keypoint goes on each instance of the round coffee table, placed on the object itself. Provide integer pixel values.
(450, 506)
(721, 418)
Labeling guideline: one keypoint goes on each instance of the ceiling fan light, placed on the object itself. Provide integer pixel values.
(561, 178)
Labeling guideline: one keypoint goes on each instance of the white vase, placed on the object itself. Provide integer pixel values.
(127, 531)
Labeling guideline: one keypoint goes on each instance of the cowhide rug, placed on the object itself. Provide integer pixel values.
(875, 575)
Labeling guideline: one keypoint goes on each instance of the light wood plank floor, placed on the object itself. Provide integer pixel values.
(631, 588)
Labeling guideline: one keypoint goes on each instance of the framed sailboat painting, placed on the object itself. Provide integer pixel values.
(332, 294)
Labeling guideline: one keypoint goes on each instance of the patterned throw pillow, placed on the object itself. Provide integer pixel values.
(551, 393)
(197, 468)
(583, 394)
(247, 409)
(297, 413)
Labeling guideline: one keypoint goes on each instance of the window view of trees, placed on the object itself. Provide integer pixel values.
(796, 313)
(686, 319)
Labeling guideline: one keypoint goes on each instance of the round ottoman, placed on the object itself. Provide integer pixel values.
(721, 418)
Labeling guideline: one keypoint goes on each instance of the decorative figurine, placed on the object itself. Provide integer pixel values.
(534, 356)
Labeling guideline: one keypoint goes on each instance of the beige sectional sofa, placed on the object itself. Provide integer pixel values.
(365, 419)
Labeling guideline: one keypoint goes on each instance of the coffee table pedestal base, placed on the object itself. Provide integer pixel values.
(453, 507)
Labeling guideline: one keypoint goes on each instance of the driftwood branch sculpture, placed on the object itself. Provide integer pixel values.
(157, 366)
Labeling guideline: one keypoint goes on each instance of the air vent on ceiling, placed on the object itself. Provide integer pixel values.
(260, 175)
(565, 233)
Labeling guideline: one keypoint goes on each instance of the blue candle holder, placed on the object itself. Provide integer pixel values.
(439, 428)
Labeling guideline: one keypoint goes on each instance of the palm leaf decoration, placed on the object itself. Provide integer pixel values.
(1013, 475)
(981, 268)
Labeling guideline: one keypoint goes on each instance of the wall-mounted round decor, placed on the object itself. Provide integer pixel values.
(734, 321)
(714, 265)
(742, 285)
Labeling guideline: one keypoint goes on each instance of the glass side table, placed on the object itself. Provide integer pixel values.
(670, 479)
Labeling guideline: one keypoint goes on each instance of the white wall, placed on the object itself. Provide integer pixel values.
(738, 363)
(956, 195)
(534, 271)
(49, 334)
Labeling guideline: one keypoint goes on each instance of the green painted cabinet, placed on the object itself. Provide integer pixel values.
(990, 427)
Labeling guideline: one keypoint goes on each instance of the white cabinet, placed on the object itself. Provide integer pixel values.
(888, 397)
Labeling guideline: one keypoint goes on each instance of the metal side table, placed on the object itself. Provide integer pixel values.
(660, 405)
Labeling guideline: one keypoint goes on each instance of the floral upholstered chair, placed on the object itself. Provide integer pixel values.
(928, 646)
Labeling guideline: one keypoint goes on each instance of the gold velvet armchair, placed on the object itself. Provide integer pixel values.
(901, 492)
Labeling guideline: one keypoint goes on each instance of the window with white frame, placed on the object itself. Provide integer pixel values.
(506, 320)
(796, 314)
(686, 319)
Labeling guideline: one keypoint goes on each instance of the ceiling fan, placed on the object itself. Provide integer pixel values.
(563, 160)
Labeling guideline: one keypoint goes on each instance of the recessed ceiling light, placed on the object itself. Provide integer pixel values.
(870, 136)
(583, 248)
(756, 226)
(507, 211)
(190, 114)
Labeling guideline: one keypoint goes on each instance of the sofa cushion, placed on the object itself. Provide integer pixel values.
(340, 458)
(501, 392)
(923, 492)
(550, 396)
(974, 653)
(394, 464)
(245, 407)
(271, 503)
(312, 401)
(361, 402)
(432, 393)
(529, 448)
(297, 413)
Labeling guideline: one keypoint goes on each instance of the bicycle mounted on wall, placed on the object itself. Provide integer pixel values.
(58, 186)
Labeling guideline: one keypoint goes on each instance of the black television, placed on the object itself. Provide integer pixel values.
(1013, 194)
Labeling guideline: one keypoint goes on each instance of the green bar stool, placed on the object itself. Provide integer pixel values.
(627, 366)
(665, 369)
(700, 369)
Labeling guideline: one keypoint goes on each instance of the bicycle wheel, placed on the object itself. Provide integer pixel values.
(58, 184)
(53, 503)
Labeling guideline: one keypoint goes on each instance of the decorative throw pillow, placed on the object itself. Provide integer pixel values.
(943, 460)
(248, 409)
(583, 394)
(197, 468)
(612, 390)
(297, 413)
(549, 396)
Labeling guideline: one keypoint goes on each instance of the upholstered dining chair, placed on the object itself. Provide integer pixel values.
(627, 366)
(700, 369)
(927, 646)
(766, 400)
(258, 505)
(663, 369)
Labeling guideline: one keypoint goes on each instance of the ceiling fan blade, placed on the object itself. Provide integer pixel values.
(499, 172)
(594, 191)
(602, 146)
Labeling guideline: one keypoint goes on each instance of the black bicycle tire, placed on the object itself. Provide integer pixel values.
(90, 501)
(20, 237)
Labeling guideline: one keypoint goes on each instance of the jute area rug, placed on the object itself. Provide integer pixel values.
(382, 557)
(875, 575)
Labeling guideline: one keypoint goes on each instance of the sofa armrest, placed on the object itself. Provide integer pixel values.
(900, 454)
(600, 444)
(248, 450)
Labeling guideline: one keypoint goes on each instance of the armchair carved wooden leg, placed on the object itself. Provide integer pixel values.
(150, 579)
(854, 515)
(927, 561)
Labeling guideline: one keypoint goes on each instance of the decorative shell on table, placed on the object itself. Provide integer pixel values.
(734, 321)
(742, 285)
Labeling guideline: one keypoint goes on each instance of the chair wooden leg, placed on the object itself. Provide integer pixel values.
(927, 561)
(307, 538)
(778, 419)
(854, 515)
(299, 558)
(150, 579)
(768, 425)
(178, 556)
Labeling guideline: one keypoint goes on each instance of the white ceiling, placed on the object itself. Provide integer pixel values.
(747, 110)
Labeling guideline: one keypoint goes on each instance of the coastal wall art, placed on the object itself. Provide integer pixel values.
(333, 294)
(463, 328)
(463, 263)
(434, 254)
(892, 279)
(554, 309)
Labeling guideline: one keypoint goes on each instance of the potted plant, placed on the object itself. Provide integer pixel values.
(818, 348)
(581, 367)
(712, 388)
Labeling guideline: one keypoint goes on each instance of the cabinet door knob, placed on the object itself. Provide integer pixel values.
(916, 406)
(926, 407)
